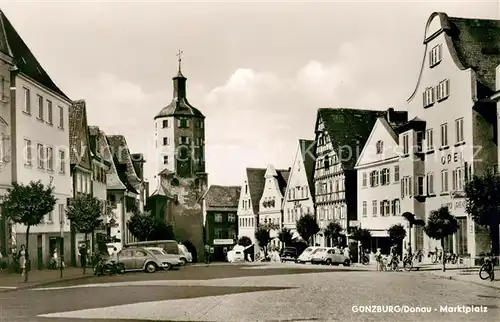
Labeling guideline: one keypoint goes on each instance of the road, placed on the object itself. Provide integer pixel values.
(251, 293)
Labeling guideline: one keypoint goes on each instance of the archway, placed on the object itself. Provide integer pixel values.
(190, 247)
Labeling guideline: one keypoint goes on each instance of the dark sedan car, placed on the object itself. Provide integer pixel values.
(288, 254)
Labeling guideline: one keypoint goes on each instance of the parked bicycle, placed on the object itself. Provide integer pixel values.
(409, 260)
(487, 270)
(435, 255)
(365, 259)
(450, 257)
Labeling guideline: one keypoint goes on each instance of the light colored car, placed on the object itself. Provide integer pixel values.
(172, 259)
(330, 256)
(142, 259)
(236, 255)
(185, 255)
(306, 255)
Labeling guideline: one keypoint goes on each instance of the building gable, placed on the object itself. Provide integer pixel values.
(382, 144)
(113, 181)
(299, 174)
(79, 138)
(256, 181)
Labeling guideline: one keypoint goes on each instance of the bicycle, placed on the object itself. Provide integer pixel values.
(487, 270)
(109, 268)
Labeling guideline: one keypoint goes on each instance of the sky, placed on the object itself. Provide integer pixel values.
(258, 70)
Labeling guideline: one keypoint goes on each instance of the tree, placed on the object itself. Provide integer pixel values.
(483, 204)
(441, 224)
(244, 241)
(363, 236)
(397, 233)
(263, 238)
(285, 236)
(145, 226)
(85, 213)
(307, 227)
(27, 205)
(333, 231)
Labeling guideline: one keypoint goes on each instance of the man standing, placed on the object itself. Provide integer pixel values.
(207, 254)
(83, 256)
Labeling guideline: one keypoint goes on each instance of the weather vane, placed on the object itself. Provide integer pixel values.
(179, 55)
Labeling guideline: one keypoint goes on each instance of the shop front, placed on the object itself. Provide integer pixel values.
(221, 247)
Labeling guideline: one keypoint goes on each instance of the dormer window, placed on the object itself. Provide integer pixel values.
(379, 146)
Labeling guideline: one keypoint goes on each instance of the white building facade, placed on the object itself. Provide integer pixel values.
(379, 189)
(299, 193)
(457, 138)
(248, 205)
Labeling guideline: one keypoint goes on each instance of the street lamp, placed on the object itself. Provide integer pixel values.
(412, 221)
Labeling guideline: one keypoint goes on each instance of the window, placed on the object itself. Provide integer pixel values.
(218, 218)
(429, 96)
(396, 173)
(443, 89)
(50, 159)
(62, 161)
(40, 154)
(165, 159)
(27, 152)
(387, 208)
(429, 138)
(459, 130)
(444, 135)
(396, 208)
(183, 122)
(374, 208)
(406, 146)
(444, 181)
(365, 210)
(364, 179)
(165, 141)
(420, 139)
(231, 218)
(61, 117)
(49, 112)
(430, 184)
(458, 179)
(385, 177)
(374, 178)
(326, 164)
(164, 124)
(420, 186)
(183, 140)
(40, 107)
(435, 55)
(139, 253)
(27, 101)
(380, 147)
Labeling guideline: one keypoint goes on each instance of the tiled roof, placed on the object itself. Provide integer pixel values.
(123, 162)
(179, 105)
(78, 135)
(307, 149)
(256, 181)
(282, 179)
(222, 196)
(13, 45)
(349, 130)
(113, 181)
(477, 45)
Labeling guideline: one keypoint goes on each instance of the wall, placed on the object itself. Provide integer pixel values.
(165, 150)
(247, 220)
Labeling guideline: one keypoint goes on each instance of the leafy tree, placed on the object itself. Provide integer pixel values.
(27, 205)
(333, 231)
(363, 236)
(145, 226)
(307, 227)
(397, 233)
(244, 241)
(441, 224)
(285, 236)
(263, 238)
(86, 215)
(483, 204)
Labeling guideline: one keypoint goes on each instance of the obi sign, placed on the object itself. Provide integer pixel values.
(452, 157)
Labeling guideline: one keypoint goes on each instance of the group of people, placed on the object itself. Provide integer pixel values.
(392, 261)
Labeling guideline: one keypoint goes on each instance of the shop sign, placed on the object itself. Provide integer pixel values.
(452, 157)
(223, 241)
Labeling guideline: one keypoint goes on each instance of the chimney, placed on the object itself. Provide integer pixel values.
(390, 117)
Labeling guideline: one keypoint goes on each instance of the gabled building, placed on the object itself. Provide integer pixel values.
(379, 188)
(220, 206)
(459, 139)
(340, 135)
(39, 139)
(299, 193)
(180, 158)
(125, 202)
(271, 201)
(249, 203)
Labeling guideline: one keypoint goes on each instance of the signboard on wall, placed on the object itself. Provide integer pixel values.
(223, 241)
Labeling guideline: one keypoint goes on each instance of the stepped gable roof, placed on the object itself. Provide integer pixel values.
(349, 130)
(307, 149)
(223, 197)
(13, 45)
(256, 182)
(123, 162)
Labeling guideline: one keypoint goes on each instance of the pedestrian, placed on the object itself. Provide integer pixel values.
(207, 254)
(378, 260)
(83, 255)
(346, 252)
(22, 259)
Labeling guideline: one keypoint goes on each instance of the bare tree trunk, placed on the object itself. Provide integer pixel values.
(27, 258)
(84, 255)
(442, 255)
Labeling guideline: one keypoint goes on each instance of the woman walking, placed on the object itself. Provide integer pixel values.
(22, 259)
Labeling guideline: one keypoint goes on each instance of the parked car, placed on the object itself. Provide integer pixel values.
(306, 255)
(237, 254)
(330, 256)
(288, 254)
(143, 259)
(173, 259)
(185, 255)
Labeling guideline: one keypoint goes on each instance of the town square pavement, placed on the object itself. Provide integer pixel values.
(285, 292)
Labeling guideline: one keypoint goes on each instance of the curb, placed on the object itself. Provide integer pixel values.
(45, 283)
(454, 278)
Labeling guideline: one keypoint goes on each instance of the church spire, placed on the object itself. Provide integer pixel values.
(179, 80)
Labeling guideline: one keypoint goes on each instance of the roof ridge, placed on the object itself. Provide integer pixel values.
(470, 19)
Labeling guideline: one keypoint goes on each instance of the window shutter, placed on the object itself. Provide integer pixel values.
(410, 187)
(439, 53)
(430, 57)
(187, 122)
(447, 87)
(423, 99)
(402, 188)
(433, 93)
